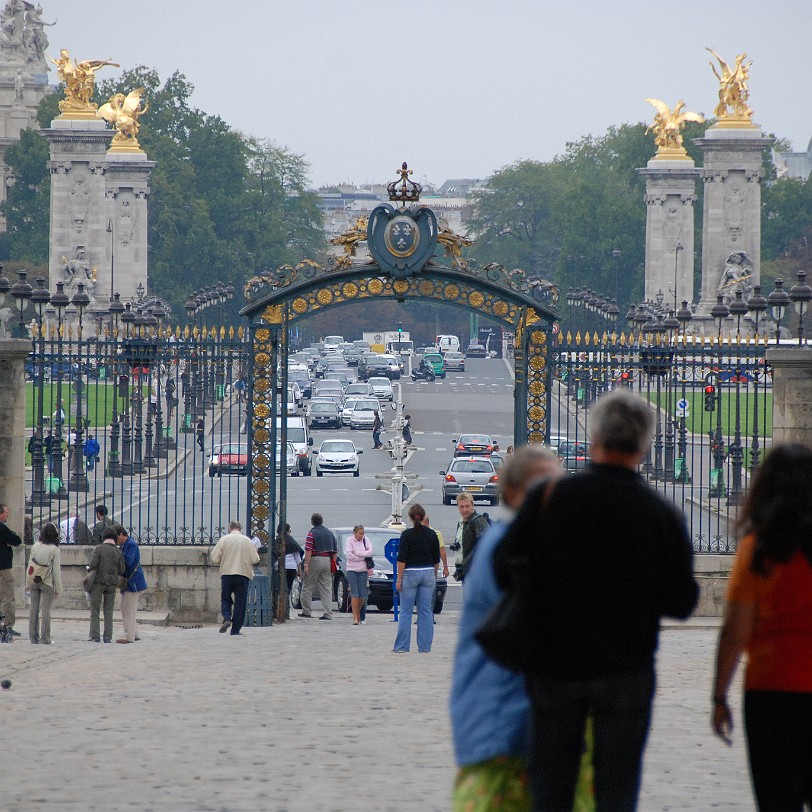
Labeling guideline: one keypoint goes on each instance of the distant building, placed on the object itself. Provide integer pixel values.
(796, 165)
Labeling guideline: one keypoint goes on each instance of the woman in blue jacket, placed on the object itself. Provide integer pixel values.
(136, 583)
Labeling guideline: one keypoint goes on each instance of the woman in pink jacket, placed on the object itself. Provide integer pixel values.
(357, 549)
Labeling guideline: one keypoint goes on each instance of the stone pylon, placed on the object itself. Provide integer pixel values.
(670, 196)
(731, 225)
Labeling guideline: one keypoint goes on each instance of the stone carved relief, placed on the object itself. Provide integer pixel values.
(79, 270)
(737, 275)
(22, 35)
(125, 218)
(672, 223)
(734, 202)
(79, 196)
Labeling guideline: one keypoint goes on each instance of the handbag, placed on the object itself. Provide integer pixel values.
(37, 571)
(89, 580)
(370, 562)
(505, 635)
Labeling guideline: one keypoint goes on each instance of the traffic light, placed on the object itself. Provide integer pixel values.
(710, 398)
(400, 327)
(626, 379)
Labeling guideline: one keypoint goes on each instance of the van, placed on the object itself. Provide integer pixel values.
(299, 437)
(446, 344)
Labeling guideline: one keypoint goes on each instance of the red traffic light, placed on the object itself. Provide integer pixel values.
(709, 390)
(624, 376)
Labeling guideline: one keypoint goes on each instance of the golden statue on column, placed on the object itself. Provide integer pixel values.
(79, 79)
(123, 113)
(666, 128)
(732, 109)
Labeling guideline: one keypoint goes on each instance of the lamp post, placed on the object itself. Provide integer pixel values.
(77, 480)
(800, 294)
(128, 320)
(112, 258)
(684, 316)
(677, 249)
(115, 310)
(150, 442)
(60, 302)
(719, 312)
(756, 305)
(616, 255)
(39, 495)
(21, 291)
(671, 325)
(778, 301)
(738, 308)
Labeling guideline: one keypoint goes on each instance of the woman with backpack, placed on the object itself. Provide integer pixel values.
(45, 583)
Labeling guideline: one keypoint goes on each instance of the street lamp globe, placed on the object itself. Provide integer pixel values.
(800, 294)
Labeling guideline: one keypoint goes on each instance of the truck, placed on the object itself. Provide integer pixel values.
(379, 340)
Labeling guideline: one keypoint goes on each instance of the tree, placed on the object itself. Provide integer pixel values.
(26, 208)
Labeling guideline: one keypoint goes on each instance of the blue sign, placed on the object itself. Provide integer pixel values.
(390, 552)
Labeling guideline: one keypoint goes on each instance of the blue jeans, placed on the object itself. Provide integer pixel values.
(236, 586)
(418, 587)
(621, 711)
(376, 438)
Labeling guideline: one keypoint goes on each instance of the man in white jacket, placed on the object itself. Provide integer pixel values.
(236, 556)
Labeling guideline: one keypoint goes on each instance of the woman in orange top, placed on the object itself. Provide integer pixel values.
(769, 614)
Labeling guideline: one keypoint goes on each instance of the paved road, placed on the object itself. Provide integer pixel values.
(301, 717)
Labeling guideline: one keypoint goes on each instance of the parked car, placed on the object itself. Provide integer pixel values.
(476, 475)
(228, 458)
(338, 457)
(454, 360)
(573, 455)
(467, 445)
(381, 388)
(324, 416)
(476, 351)
(437, 363)
(363, 414)
(381, 580)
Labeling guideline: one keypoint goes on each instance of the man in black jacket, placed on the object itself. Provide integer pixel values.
(470, 528)
(8, 539)
(610, 558)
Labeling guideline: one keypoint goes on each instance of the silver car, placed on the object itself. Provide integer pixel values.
(381, 388)
(363, 415)
(476, 475)
(290, 459)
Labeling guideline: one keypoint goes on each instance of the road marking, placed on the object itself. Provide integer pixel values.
(443, 448)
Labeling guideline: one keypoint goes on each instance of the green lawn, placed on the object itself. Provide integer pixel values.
(699, 421)
(97, 406)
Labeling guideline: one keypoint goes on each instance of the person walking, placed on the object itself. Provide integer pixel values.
(45, 557)
(199, 433)
(490, 709)
(418, 560)
(91, 449)
(293, 557)
(377, 428)
(103, 521)
(321, 550)
(107, 564)
(8, 540)
(407, 429)
(470, 528)
(49, 445)
(769, 615)
(593, 609)
(236, 555)
(136, 583)
(357, 549)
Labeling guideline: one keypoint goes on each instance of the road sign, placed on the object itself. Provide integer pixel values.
(556, 328)
(682, 408)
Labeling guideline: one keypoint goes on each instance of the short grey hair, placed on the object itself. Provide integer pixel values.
(520, 467)
(234, 525)
(622, 421)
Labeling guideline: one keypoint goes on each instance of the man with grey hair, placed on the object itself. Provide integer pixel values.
(8, 540)
(236, 555)
(612, 558)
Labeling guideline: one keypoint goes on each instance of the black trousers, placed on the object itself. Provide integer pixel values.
(779, 745)
(233, 597)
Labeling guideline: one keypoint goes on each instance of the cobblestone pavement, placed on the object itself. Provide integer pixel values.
(310, 715)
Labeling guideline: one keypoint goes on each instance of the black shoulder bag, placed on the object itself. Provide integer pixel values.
(505, 634)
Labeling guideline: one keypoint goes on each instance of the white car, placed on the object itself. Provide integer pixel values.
(395, 365)
(362, 389)
(381, 388)
(363, 414)
(290, 459)
(346, 410)
(296, 391)
(338, 457)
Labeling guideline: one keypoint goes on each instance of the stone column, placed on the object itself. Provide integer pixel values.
(127, 187)
(731, 222)
(79, 211)
(792, 394)
(670, 196)
(13, 353)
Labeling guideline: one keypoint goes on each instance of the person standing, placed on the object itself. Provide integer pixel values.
(407, 429)
(136, 583)
(49, 445)
(91, 449)
(293, 558)
(236, 555)
(8, 540)
(321, 549)
(107, 564)
(418, 560)
(490, 709)
(73, 530)
(443, 554)
(593, 608)
(769, 614)
(199, 433)
(377, 428)
(470, 528)
(103, 521)
(357, 549)
(44, 553)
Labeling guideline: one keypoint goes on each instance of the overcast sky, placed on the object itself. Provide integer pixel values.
(458, 88)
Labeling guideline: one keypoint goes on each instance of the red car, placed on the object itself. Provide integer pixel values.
(231, 458)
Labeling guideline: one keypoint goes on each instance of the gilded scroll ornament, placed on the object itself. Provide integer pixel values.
(666, 128)
(349, 242)
(453, 244)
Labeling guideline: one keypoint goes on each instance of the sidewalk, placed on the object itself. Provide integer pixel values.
(309, 716)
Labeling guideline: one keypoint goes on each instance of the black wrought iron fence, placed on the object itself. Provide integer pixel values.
(712, 398)
(147, 420)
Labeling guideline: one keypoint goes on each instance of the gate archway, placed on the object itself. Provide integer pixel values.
(402, 265)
